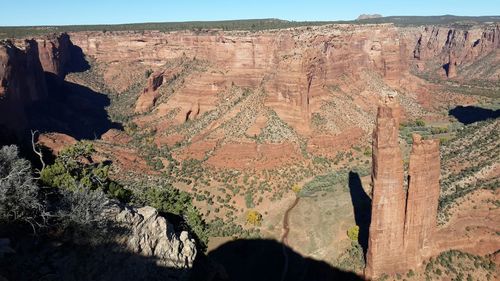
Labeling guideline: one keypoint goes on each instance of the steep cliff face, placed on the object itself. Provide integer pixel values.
(459, 47)
(295, 67)
(423, 194)
(385, 245)
(22, 82)
(55, 54)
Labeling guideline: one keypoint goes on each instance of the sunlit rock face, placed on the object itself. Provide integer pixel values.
(151, 235)
(385, 245)
(294, 66)
(423, 194)
(403, 220)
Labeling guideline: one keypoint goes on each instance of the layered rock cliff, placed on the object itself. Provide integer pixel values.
(33, 92)
(444, 49)
(55, 54)
(22, 82)
(295, 67)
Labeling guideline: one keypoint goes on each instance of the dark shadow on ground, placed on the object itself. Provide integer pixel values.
(71, 109)
(471, 114)
(238, 260)
(264, 260)
(362, 208)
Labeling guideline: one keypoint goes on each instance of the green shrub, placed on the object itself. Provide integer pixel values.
(74, 168)
(420, 123)
(353, 233)
(19, 194)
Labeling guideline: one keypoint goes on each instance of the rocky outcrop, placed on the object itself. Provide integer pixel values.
(147, 98)
(386, 232)
(152, 236)
(423, 194)
(403, 222)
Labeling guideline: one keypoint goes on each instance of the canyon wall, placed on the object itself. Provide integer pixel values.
(403, 221)
(295, 67)
(22, 82)
(448, 48)
(31, 71)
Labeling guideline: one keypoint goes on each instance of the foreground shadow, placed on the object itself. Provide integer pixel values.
(265, 260)
(362, 208)
(67, 261)
(239, 260)
(471, 114)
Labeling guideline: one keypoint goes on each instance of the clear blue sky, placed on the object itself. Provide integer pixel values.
(63, 12)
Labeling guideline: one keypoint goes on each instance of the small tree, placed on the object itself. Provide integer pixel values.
(296, 188)
(254, 218)
(353, 233)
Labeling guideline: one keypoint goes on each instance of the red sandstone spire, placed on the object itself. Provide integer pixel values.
(423, 195)
(402, 226)
(385, 242)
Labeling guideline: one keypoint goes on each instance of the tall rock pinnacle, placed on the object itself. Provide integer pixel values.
(385, 242)
(403, 220)
(423, 195)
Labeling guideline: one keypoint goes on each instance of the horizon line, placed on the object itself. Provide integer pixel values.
(242, 19)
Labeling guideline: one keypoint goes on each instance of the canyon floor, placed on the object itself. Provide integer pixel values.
(252, 120)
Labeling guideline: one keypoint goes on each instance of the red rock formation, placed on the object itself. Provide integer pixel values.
(294, 66)
(385, 245)
(21, 83)
(403, 223)
(149, 95)
(469, 45)
(56, 142)
(54, 53)
(423, 194)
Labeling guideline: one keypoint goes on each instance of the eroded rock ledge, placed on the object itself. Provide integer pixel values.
(151, 235)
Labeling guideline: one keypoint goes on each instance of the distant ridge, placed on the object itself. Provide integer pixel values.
(368, 16)
(245, 24)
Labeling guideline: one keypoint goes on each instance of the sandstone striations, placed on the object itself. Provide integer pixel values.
(403, 222)
(467, 46)
(294, 67)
